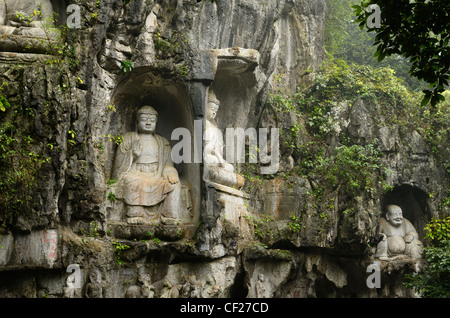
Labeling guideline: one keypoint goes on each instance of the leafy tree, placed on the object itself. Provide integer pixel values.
(417, 30)
(434, 281)
(345, 40)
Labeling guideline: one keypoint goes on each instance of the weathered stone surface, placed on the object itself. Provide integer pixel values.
(272, 238)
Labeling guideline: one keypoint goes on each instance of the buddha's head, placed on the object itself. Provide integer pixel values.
(147, 117)
(394, 215)
(213, 106)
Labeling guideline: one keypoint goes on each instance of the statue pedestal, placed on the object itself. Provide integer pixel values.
(168, 233)
(27, 49)
(152, 227)
(233, 200)
(227, 230)
(24, 58)
(389, 265)
(28, 44)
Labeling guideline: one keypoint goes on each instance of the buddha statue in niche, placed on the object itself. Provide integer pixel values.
(400, 238)
(31, 18)
(148, 183)
(93, 289)
(216, 168)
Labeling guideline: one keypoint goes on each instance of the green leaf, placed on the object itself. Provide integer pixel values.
(381, 56)
(425, 100)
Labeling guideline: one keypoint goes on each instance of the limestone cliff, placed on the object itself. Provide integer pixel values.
(68, 110)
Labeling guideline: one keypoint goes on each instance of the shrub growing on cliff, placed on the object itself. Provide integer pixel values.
(356, 165)
(119, 248)
(21, 160)
(434, 281)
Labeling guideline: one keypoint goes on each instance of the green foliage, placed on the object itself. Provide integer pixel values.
(117, 139)
(339, 80)
(351, 52)
(4, 103)
(338, 85)
(170, 45)
(295, 225)
(126, 66)
(352, 168)
(435, 128)
(111, 197)
(119, 248)
(258, 224)
(434, 281)
(161, 43)
(340, 33)
(417, 30)
(446, 201)
(156, 240)
(71, 140)
(21, 160)
(111, 107)
(438, 230)
(110, 182)
(355, 166)
(92, 231)
(65, 47)
(345, 40)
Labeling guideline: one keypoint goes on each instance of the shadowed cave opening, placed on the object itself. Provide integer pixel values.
(239, 288)
(414, 203)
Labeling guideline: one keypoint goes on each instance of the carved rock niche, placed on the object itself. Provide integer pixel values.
(414, 203)
(170, 99)
(235, 84)
(234, 88)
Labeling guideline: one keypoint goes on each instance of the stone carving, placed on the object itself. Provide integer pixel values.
(148, 290)
(148, 183)
(211, 289)
(27, 29)
(216, 168)
(169, 290)
(400, 238)
(25, 17)
(71, 290)
(260, 286)
(134, 291)
(93, 288)
(191, 287)
(142, 289)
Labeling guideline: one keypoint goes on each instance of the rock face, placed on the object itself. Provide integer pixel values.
(67, 117)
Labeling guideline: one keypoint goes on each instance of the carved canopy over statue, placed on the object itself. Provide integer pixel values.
(400, 238)
(148, 183)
